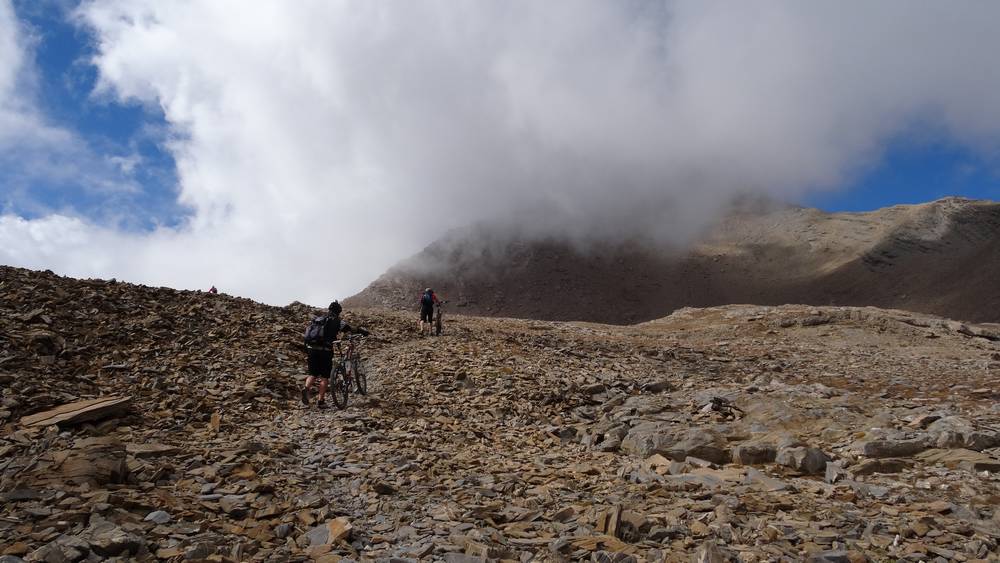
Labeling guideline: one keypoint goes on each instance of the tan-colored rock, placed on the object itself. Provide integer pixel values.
(79, 411)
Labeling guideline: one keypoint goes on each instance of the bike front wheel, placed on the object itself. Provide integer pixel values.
(339, 386)
(360, 370)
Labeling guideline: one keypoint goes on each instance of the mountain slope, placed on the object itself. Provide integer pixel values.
(701, 436)
(940, 258)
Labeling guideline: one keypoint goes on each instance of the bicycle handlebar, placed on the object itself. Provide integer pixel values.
(350, 338)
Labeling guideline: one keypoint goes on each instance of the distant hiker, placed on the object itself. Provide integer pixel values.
(319, 337)
(427, 302)
(213, 290)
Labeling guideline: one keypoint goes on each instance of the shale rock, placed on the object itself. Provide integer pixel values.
(504, 439)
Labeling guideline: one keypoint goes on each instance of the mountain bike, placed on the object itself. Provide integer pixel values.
(437, 317)
(339, 384)
(357, 369)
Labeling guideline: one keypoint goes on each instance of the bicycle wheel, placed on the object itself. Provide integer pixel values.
(360, 370)
(339, 386)
(437, 324)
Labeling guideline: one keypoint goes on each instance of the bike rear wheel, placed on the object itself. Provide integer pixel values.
(339, 386)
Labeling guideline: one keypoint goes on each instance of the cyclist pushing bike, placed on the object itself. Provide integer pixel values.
(427, 302)
(319, 338)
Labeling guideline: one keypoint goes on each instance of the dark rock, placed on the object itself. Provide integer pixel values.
(20, 494)
(888, 465)
(202, 550)
(701, 443)
(957, 432)
(107, 539)
(804, 460)
(835, 472)
(658, 386)
(882, 448)
(837, 556)
(383, 488)
(754, 453)
(283, 530)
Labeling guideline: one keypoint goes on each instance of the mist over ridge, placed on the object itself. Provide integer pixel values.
(938, 258)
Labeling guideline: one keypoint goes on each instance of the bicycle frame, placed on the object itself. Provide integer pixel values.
(348, 357)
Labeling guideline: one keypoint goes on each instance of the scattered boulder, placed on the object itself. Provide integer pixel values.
(890, 447)
(647, 439)
(957, 432)
(703, 443)
(92, 461)
(754, 453)
(803, 459)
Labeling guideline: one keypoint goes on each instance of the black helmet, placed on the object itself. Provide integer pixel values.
(335, 308)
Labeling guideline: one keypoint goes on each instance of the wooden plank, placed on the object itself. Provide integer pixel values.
(79, 411)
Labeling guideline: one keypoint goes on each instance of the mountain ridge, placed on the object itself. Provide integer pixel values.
(936, 257)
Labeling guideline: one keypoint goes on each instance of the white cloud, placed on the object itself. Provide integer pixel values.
(319, 142)
(34, 151)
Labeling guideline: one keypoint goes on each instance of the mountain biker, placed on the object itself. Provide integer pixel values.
(427, 302)
(319, 354)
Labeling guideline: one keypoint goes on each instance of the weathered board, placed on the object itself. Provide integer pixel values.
(79, 411)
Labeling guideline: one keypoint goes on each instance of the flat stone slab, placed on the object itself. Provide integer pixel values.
(79, 411)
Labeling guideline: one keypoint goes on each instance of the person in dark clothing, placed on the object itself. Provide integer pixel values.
(319, 354)
(427, 302)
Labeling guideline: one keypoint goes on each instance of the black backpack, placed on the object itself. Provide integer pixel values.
(316, 331)
(427, 300)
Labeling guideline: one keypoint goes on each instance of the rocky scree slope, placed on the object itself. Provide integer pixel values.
(734, 433)
(939, 258)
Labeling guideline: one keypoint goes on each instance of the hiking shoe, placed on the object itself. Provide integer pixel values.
(321, 403)
(305, 396)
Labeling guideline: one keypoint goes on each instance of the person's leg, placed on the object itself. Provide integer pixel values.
(322, 389)
(305, 390)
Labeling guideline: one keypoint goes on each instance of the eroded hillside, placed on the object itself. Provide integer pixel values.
(744, 433)
(940, 258)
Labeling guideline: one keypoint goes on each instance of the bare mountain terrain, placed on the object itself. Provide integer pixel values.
(941, 257)
(736, 433)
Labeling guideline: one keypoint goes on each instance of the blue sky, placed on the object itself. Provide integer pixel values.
(172, 143)
(131, 134)
(915, 172)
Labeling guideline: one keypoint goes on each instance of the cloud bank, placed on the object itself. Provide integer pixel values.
(319, 142)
